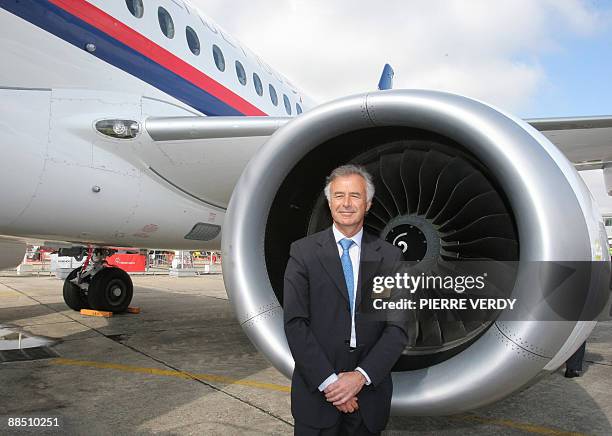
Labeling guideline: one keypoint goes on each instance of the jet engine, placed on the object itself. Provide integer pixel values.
(11, 252)
(456, 179)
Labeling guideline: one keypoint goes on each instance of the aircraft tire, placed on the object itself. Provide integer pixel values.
(111, 290)
(73, 295)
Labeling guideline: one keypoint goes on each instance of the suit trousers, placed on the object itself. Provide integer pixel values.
(576, 359)
(349, 424)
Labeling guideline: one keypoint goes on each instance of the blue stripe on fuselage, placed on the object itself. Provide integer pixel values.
(79, 33)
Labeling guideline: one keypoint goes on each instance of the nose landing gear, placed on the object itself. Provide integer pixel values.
(98, 286)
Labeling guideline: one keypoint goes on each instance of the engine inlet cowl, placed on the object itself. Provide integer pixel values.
(455, 179)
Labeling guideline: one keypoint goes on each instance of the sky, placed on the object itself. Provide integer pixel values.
(534, 58)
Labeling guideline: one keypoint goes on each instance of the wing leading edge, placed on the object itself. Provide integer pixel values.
(585, 141)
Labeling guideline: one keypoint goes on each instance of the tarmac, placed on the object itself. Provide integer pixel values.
(184, 366)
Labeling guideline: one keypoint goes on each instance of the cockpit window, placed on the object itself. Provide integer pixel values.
(258, 85)
(287, 104)
(273, 95)
(240, 73)
(298, 108)
(165, 22)
(136, 8)
(192, 40)
(219, 59)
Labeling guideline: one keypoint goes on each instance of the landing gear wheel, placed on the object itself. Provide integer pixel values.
(74, 296)
(111, 290)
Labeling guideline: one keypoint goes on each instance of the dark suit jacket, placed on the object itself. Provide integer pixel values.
(318, 325)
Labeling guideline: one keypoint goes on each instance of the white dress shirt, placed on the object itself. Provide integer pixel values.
(355, 255)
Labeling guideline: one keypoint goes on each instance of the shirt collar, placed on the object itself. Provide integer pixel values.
(356, 237)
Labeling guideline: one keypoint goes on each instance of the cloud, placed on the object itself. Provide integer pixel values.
(482, 49)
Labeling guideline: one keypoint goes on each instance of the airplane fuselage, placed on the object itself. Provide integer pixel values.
(71, 64)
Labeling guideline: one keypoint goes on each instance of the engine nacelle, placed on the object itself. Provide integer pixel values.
(11, 252)
(455, 179)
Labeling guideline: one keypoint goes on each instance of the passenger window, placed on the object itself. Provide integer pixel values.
(192, 40)
(273, 95)
(287, 104)
(258, 85)
(298, 108)
(219, 59)
(165, 22)
(136, 8)
(240, 73)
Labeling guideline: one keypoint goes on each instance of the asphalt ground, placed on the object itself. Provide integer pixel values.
(184, 366)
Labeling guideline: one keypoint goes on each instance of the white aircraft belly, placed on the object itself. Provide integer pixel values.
(24, 125)
(49, 190)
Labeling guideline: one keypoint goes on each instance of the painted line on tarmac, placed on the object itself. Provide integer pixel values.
(172, 373)
(529, 428)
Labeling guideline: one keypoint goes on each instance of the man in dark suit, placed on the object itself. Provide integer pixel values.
(342, 378)
(573, 365)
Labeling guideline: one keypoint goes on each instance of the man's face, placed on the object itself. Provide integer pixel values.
(348, 200)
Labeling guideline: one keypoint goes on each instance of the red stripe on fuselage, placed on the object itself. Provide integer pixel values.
(126, 35)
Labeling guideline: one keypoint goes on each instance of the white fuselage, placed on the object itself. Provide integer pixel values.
(70, 64)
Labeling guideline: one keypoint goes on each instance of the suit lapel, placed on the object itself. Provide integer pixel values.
(330, 259)
(368, 264)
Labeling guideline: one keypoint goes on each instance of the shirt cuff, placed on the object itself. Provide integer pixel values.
(328, 381)
(365, 374)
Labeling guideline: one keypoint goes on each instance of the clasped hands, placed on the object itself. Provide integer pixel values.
(343, 392)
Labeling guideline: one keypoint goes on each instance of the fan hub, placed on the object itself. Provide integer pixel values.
(414, 235)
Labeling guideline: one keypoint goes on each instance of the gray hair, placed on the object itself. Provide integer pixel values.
(347, 170)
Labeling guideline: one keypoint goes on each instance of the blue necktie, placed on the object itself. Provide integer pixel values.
(347, 267)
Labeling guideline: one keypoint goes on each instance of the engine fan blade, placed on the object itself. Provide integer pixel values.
(490, 225)
(484, 248)
(390, 166)
(484, 204)
(410, 167)
(463, 192)
(456, 170)
(430, 171)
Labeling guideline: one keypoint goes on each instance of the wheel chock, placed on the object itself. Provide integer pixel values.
(131, 309)
(102, 313)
